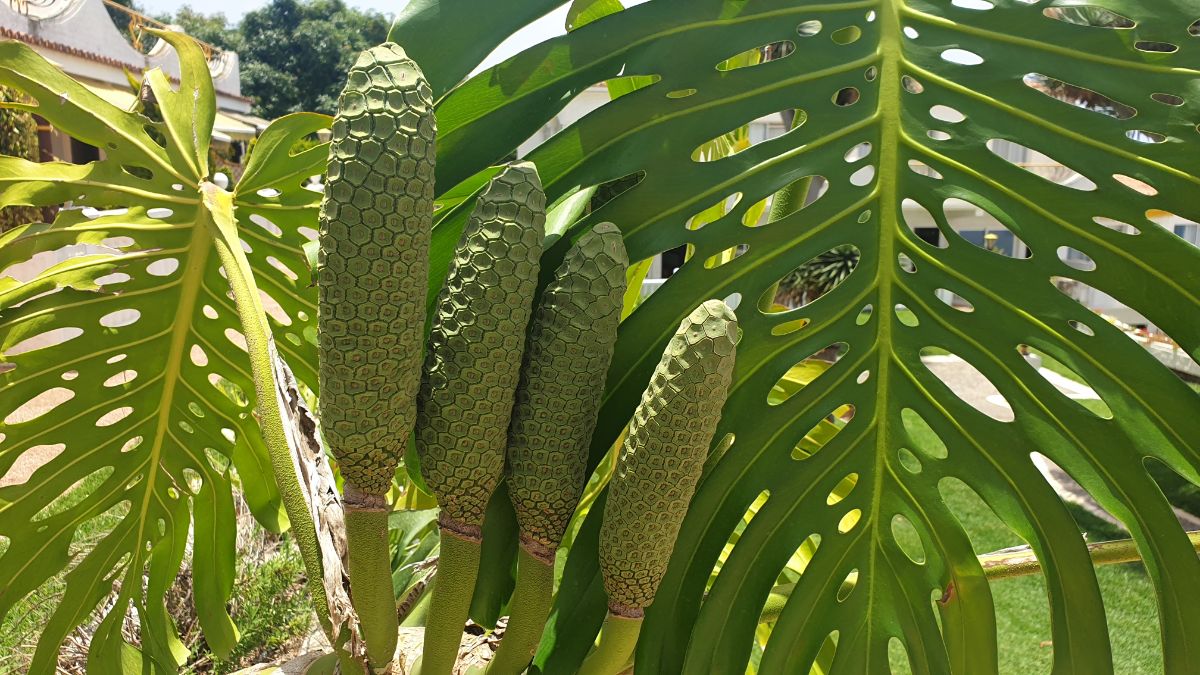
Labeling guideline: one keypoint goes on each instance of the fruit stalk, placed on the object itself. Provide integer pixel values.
(471, 372)
(458, 565)
(528, 610)
(614, 652)
(570, 347)
(369, 567)
(657, 472)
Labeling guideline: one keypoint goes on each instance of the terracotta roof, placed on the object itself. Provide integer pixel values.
(66, 49)
(84, 54)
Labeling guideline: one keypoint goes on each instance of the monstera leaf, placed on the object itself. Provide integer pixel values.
(904, 104)
(123, 374)
(900, 106)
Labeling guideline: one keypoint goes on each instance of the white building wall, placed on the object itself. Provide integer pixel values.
(85, 25)
(584, 103)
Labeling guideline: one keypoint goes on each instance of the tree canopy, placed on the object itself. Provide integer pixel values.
(294, 53)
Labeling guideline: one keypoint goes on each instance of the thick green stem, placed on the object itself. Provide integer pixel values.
(614, 651)
(219, 205)
(371, 574)
(790, 199)
(1021, 561)
(528, 610)
(458, 565)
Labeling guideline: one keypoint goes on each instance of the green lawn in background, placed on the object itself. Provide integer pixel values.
(23, 624)
(1022, 610)
(270, 605)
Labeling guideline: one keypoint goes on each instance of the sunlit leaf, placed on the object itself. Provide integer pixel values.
(933, 87)
(147, 403)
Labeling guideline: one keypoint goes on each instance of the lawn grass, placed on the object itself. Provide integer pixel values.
(1022, 610)
(23, 623)
(270, 604)
(271, 609)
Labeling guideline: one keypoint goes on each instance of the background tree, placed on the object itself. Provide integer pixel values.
(215, 29)
(295, 54)
(121, 19)
(817, 276)
(18, 138)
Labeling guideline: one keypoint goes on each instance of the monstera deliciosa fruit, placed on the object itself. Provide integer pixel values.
(900, 105)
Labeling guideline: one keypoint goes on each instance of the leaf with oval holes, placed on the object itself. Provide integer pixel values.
(965, 103)
(123, 378)
(1109, 91)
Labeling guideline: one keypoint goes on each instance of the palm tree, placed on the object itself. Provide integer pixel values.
(817, 276)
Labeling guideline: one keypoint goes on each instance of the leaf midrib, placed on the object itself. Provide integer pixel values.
(887, 178)
(191, 281)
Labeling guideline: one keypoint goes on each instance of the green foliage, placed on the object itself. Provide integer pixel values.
(120, 19)
(271, 609)
(1179, 491)
(18, 138)
(1023, 623)
(817, 276)
(410, 545)
(859, 79)
(295, 53)
(763, 510)
(583, 12)
(215, 29)
(21, 628)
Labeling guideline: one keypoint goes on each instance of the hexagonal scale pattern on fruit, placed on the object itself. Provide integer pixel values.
(562, 383)
(474, 358)
(663, 454)
(374, 261)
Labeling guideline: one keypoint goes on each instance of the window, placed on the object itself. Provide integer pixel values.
(1189, 232)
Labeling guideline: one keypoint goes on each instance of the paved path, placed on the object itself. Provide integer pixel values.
(35, 457)
(976, 390)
